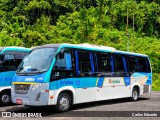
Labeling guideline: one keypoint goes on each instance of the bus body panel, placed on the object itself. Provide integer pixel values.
(84, 89)
(6, 78)
(10, 57)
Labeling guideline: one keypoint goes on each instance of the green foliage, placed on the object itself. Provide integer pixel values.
(156, 82)
(103, 22)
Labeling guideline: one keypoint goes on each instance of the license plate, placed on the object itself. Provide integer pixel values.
(18, 101)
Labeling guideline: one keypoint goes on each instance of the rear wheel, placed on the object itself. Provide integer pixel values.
(5, 98)
(135, 94)
(63, 102)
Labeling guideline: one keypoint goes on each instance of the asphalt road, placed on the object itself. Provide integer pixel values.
(147, 105)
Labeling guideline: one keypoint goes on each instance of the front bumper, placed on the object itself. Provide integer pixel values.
(34, 95)
(41, 101)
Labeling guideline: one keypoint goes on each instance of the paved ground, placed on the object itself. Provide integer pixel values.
(119, 108)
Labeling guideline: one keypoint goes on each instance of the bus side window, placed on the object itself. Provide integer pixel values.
(132, 64)
(63, 67)
(120, 65)
(19, 56)
(143, 64)
(103, 62)
(9, 63)
(84, 63)
(148, 65)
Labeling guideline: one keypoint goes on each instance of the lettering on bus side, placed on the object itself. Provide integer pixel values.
(115, 81)
(64, 82)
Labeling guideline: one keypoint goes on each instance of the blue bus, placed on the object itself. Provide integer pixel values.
(10, 58)
(66, 74)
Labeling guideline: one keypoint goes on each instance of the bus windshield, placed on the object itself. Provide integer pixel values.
(38, 61)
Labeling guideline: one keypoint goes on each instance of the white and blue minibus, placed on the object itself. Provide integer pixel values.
(10, 58)
(66, 74)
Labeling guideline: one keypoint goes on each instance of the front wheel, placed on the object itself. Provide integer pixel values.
(63, 102)
(135, 94)
(5, 98)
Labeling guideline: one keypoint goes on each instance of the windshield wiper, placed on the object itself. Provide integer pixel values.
(34, 69)
(19, 69)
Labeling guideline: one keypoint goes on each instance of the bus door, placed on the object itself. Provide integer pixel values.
(63, 70)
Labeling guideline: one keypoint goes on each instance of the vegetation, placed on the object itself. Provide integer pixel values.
(36, 22)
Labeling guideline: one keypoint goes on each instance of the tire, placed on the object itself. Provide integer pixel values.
(5, 98)
(63, 102)
(135, 94)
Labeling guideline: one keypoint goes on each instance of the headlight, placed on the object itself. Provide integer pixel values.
(37, 86)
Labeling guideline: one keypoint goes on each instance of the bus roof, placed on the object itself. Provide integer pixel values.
(100, 48)
(2, 49)
(86, 46)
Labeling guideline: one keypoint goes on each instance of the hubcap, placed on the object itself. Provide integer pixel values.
(64, 103)
(135, 95)
(5, 99)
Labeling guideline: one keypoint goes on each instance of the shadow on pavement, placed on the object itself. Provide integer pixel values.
(48, 111)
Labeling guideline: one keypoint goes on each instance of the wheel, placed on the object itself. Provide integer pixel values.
(63, 102)
(135, 94)
(5, 98)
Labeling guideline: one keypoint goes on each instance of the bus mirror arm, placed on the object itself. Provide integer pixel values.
(60, 55)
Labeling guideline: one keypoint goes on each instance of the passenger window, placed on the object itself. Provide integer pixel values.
(148, 65)
(84, 63)
(9, 63)
(103, 62)
(132, 64)
(143, 64)
(8, 56)
(119, 63)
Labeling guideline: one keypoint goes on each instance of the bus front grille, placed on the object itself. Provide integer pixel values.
(21, 88)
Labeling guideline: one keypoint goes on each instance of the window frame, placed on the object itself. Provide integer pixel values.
(53, 72)
(96, 62)
(93, 69)
(12, 53)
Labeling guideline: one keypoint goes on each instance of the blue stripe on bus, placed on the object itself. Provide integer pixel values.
(124, 63)
(92, 62)
(96, 63)
(100, 82)
(127, 81)
(68, 61)
(77, 67)
(75, 82)
(112, 63)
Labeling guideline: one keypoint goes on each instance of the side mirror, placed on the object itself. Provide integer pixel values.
(60, 55)
(1, 57)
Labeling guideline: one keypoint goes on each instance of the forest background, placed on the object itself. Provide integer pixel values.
(129, 25)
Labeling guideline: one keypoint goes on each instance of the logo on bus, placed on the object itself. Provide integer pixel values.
(114, 81)
(29, 79)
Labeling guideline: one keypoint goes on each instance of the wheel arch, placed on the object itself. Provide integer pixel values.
(69, 90)
(138, 88)
(5, 89)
